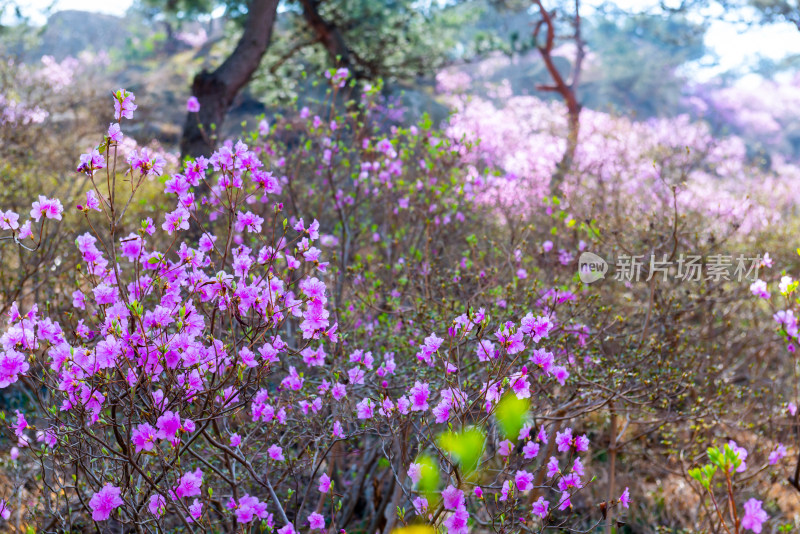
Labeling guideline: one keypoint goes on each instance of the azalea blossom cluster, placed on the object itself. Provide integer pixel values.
(614, 161)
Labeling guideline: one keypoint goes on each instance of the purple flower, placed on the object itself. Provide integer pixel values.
(625, 498)
(540, 507)
(530, 450)
(419, 396)
(51, 208)
(564, 440)
(415, 472)
(759, 289)
(105, 501)
(364, 409)
(420, 504)
(91, 162)
(248, 221)
(457, 522)
(114, 132)
(92, 202)
(123, 104)
(523, 480)
(316, 521)
(276, 453)
(176, 220)
(143, 437)
(157, 505)
(25, 230)
(777, 455)
(324, 483)
(145, 163)
(552, 467)
(754, 516)
(741, 453)
(12, 364)
(192, 105)
(195, 511)
(189, 484)
(505, 448)
(8, 220)
(453, 498)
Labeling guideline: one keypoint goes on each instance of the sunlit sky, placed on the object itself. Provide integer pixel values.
(733, 45)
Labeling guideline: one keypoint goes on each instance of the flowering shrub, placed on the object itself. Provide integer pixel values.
(244, 376)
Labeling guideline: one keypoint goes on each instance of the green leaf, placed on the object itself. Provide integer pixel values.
(415, 529)
(511, 414)
(465, 446)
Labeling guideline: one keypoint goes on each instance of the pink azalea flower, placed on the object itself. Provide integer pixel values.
(754, 516)
(123, 104)
(195, 511)
(114, 132)
(415, 472)
(157, 505)
(168, 425)
(316, 521)
(505, 491)
(50, 208)
(176, 220)
(144, 437)
(625, 498)
(365, 409)
(505, 448)
(777, 455)
(419, 396)
(192, 105)
(92, 202)
(540, 507)
(189, 484)
(338, 391)
(248, 221)
(523, 480)
(324, 483)
(457, 523)
(276, 453)
(453, 498)
(8, 220)
(552, 467)
(530, 450)
(420, 504)
(25, 230)
(105, 501)
(741, 453)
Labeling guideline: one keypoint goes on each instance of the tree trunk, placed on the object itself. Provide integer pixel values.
(574, 125)
(566, 90)
(216, 90)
